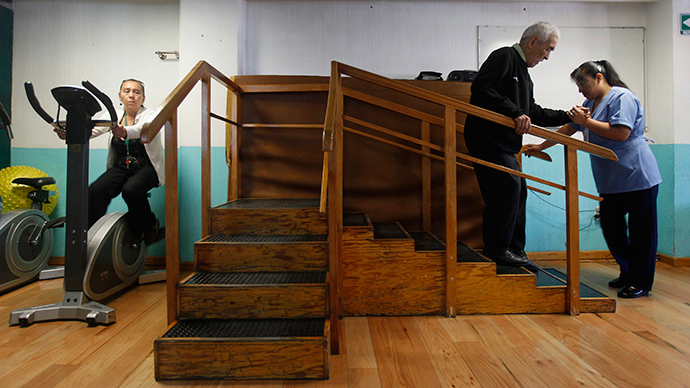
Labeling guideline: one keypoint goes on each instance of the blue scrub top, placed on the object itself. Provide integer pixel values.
(636, 168)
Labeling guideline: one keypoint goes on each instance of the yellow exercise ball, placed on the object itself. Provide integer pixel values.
(14, 196)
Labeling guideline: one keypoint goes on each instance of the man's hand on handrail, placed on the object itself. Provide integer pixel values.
(523, 124)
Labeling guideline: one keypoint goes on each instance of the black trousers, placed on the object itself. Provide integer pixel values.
(134, 186)
(633, 243)
(505, 199)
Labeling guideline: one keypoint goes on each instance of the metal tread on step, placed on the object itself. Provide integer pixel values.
(469, 255)
(388, 230)
(355, 219)
(247, 328)
(551, 273)
(271, 203)
(425, 241)
(261, 239)
(256, 278)
(509, 270)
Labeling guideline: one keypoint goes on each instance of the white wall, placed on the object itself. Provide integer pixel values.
(208, 31)
(400, 38)
(660, 73)
(681, 76)
(65, 42)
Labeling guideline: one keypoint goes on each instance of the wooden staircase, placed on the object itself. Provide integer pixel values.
(256, 306)
(268, 276)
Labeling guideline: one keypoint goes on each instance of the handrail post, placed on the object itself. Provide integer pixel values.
(572, 299)
(426, 179)
(172, 218)
(335, 213)
(234, 181)
(205, 153)
(451, 208)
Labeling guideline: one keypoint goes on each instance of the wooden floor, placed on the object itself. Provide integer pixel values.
(646, 343)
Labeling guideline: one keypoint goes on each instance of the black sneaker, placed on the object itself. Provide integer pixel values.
(155, 234)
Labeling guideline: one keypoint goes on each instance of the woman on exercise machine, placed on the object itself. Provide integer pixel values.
(133, 168)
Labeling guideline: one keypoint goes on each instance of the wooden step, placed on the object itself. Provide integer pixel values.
(243, 349)
(425, 241)
(591, 300)
(386, 276)
(245, 295)
(268, 216)
(276, 253)
(357, 226)
(487, 288)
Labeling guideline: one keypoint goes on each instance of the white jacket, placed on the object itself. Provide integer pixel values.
(154, 149)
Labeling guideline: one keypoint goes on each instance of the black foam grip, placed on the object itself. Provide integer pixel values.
(107, 102)
(31, 95)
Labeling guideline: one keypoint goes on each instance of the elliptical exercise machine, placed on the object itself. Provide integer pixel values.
(98, 262)
(26, 238)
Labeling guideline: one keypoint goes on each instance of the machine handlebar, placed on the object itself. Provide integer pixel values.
(107, 102)
(31, 95)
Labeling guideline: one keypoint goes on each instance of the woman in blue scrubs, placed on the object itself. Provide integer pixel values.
(613, 117)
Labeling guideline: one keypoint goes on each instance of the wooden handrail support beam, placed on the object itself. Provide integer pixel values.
(166, 115)
(334, 161)
(332, 139)
(175, 98)
(468, 158)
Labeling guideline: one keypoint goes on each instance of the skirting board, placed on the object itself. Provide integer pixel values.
(604, 255)
(674, 261)
(152, 263)
(561, 255)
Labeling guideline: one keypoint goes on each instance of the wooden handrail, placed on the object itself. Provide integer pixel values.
(332, 142)
(468, 109)
(469, 159)
(175, 98)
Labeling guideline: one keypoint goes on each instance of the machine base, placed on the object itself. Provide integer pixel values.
(75, 306)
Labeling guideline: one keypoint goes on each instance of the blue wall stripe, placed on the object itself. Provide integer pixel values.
(545, 214)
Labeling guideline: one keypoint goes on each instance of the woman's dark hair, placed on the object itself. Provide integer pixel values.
(592, 68)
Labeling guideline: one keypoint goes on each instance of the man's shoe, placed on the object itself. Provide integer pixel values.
(631, 292)
(519, 252)
(617, 283)
(508, 258)
(530, 266)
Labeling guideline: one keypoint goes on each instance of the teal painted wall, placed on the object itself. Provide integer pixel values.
(545, 214)
(54, 163)
(546, 226)
(6, 36)
(681, 204)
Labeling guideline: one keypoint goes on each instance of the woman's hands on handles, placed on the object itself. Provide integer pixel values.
(579, 114)
(119, 132)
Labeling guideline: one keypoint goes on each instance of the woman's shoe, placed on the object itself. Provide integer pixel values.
(617, 283)
(631, 292)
